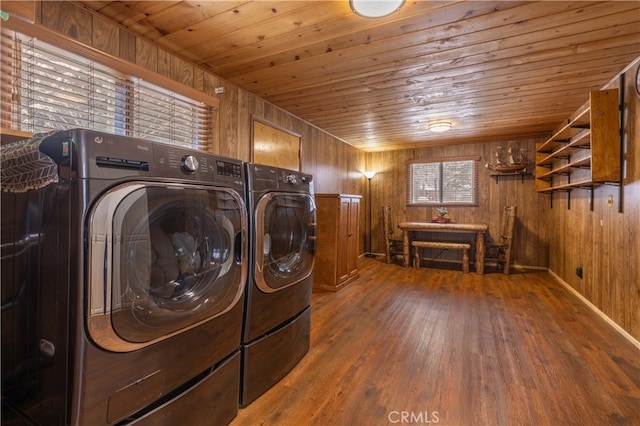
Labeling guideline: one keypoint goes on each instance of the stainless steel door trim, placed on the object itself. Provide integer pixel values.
(100, 261)
(262, 241)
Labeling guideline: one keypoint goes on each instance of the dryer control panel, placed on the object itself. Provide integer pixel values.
(292, 180)
(262, 178)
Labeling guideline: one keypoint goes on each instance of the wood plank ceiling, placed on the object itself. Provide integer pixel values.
(496, 70)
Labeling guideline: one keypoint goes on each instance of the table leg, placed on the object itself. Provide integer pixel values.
(405, 248)
(480, 253)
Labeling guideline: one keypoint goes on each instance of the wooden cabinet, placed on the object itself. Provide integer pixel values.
(337, 240)
(585, 151)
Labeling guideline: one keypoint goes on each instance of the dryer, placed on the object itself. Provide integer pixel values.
(124, 288)
(276, 329)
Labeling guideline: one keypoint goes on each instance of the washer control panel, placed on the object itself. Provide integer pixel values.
(98, 155)
(227, 168)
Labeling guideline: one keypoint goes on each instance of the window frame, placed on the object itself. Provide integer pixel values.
(475, 175)
(118, 65)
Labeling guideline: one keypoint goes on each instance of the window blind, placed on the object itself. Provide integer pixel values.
(451, 181)
(54, 89)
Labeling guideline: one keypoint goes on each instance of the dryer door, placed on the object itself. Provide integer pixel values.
(285, 240)
(162, 258)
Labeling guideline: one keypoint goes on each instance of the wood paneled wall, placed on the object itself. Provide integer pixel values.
(604, 242)
(334, 164)
(389, 187)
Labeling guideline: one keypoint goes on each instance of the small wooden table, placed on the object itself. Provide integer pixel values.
(478, 228)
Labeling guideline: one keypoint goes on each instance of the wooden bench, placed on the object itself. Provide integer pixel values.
(419, 245)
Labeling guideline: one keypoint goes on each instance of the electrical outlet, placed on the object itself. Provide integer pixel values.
(610, 201)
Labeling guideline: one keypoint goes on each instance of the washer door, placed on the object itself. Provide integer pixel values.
(285, 240)
(162, 258)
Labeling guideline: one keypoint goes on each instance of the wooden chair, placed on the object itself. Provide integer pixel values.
(499, 251)
(393, 243)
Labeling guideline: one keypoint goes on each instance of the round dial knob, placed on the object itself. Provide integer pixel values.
(291, 178)
(190, 163)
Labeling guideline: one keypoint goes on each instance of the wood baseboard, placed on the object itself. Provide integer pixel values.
(595, 309)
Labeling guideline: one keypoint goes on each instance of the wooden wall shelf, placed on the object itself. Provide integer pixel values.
(521, 174)
(584, 152)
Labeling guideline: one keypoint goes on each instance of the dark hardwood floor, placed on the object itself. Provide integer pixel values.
(435, 346)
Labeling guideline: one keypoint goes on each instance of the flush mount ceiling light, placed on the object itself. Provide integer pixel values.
(375, 9)
(440, 126)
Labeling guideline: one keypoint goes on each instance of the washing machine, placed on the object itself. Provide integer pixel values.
(123, 279)
(282, 216)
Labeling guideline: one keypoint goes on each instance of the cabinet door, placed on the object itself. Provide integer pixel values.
(344, 240)
(352, 247)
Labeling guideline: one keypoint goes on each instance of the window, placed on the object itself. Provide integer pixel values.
(444, 182)
(54, 89)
